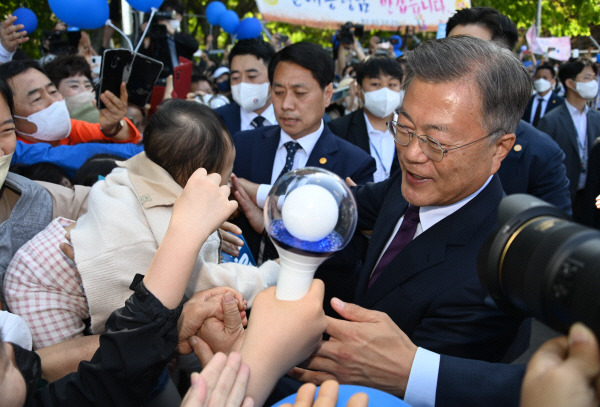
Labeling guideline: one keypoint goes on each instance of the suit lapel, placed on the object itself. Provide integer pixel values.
(264, 153)
(323, 151)
(358, 131)
(569, 127)
(429, 248)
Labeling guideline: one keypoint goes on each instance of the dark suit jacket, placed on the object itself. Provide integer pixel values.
(431, 289)
(534, 166)
(353, 128)
(554, 101)
(256, 152)
(465, 382)
(230, 114)
(559, 125)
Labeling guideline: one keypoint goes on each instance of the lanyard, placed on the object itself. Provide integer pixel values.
(385, 170)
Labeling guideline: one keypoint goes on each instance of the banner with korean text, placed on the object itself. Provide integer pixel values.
(373, 14)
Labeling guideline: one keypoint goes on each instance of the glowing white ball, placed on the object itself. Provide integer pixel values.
(310, 212)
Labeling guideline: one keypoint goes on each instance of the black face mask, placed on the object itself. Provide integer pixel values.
(223, 86)
(30, 366)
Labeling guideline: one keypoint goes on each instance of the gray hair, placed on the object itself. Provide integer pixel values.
(497, 75)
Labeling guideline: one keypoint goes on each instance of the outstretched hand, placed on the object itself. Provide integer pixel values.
(10, 36)
(365, 348)
(564, 371)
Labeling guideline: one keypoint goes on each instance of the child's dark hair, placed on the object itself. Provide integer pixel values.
(183, 136)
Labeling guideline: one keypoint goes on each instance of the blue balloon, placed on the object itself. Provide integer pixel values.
(229, 21)
(27, 18)
(88, 14)
(249, 28)
(145, 5)
(376, 397)
(214, 11)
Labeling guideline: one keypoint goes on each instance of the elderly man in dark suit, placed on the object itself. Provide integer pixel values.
(545, 99)
(574, 126)
(525, 170)
(464, 98)
(301, 78)
(379, 79)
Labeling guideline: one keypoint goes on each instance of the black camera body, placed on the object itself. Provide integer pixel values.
(349, 31)
(539, 263)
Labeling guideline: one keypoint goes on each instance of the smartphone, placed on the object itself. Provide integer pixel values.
(96, 64)
(182, 78)
(340, 93)
(138, 71)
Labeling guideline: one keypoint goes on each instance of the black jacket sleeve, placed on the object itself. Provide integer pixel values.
(139, 340)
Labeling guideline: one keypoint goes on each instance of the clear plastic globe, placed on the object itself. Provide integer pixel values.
(310, 213)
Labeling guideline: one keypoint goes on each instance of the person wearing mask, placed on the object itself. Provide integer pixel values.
(545, 98)
(166, 42)
(222, 87)
(378, 79)
(250, 88)
(73, 78)
(575, 127)
(41, 113)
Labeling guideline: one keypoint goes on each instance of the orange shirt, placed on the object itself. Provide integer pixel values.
(82, 132)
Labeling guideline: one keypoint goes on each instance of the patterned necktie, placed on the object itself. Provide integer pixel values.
(291, 147)
(257, 122)
(538, 112)
(405, 234)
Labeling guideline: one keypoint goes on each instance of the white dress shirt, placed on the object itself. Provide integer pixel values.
(247, 117)
(580, 122)
(422, 381)
(307, 143)
(535, 103)
(382, 148)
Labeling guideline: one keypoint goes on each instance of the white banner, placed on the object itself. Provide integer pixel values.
(558, 48)
(373, 14)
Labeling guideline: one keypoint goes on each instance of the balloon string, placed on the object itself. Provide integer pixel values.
(154, 10)
(109, 23)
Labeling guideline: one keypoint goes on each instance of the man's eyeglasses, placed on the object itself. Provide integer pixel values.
(430, 146)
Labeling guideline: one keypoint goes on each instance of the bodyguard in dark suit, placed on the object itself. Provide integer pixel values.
(301, 78)
(250, 89)
(378, 81)
(464, 98)
(535, 166)
(545, 99)
(574, 126)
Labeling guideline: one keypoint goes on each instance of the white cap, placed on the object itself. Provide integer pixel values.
(220, 71)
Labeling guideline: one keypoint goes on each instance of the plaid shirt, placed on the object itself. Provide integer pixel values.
(44, 287)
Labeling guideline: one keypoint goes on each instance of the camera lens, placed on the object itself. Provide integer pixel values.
(540, 264)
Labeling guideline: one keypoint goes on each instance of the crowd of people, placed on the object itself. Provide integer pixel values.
(113, 286)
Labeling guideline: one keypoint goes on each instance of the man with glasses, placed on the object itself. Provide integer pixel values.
(429, 316)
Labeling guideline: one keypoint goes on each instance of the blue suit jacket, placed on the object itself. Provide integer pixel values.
(230, 114)
(559, 125)
(431, 289)
(255, 153)
(554, 101)
(535, 166)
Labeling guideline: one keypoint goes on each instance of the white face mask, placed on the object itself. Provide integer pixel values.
(382, 102)
(174, 24)
(4, 166)
(587, 90)
(53, 123)
(250, 96)
(541, 85)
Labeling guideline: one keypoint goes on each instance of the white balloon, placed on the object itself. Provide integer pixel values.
(310, 212)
